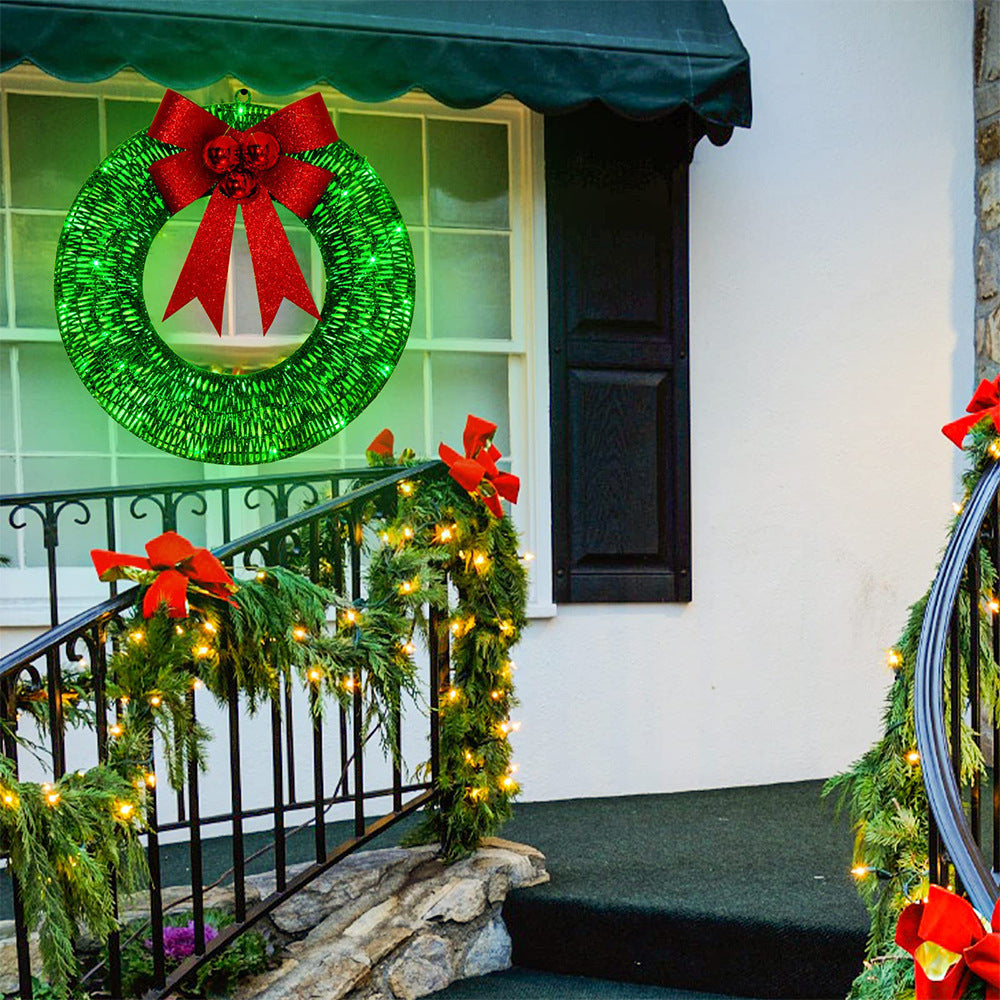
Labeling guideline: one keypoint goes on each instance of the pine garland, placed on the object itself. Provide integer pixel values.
(441, 534)
(883, 791)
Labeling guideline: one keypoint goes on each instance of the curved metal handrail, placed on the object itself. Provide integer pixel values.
(53, 637)
(943, 794)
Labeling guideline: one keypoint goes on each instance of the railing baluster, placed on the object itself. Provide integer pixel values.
(112, 541)
(289, 740)
(236, 799)
(226, 521)
(337, 558)
(972, 678)
(114, 981)
(155, 881)
(8, 713)
(278, 790)
(440, 674)
(397, 755)
(318, 811)
(955, 695)
(355, 526)
(194, 825)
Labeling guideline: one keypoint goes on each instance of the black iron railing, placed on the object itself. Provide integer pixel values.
(328, 537)
(963, 815)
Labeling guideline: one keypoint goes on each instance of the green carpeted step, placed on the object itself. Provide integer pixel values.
(529, 984)
(736, 891)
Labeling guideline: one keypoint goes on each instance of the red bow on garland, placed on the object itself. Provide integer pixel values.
(985, 403)
(177, 564)
(246, 169)
(949, 946)
(477, 471)
(383, 444)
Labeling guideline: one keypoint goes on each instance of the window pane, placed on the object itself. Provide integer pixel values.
(8, 536)
(470, 286)
(133, 533)
(6, 407)
(469, 383)
(392, 146)
(53, 149)
(4, 264)
(57, 412)
(75, 540)
(418, 328)
(468, 174)
(400, 407)
(34, 239)
(124, 118)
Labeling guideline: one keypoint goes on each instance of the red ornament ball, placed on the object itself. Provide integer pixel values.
(261, 150)
(239, 184)
(221, 154)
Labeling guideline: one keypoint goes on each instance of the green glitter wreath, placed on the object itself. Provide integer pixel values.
(264, 415)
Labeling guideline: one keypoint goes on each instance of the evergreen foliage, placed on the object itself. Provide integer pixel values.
(883, 791)
(440, 535)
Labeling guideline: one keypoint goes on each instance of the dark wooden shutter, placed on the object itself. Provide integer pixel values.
(616, 194)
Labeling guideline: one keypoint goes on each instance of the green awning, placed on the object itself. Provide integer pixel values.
(642, 58)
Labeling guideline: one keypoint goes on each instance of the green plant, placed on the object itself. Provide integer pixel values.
(247, 955)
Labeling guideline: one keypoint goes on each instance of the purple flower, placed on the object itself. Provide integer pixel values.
(178, 942)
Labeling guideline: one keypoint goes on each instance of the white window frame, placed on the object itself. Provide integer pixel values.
(526, 350)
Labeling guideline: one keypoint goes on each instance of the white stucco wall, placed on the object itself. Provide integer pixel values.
(831, 337)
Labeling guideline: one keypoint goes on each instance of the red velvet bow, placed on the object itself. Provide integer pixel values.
(250, 168)
(946, 923)
(177, 563)
(984, 403)
(477, 471)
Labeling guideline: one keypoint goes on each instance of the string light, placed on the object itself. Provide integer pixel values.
(385, 537)
(508, 782)
(506, 628)
(495, 695)
(9, 798)
(125, 699)
(51, 795)
(348, 683)
(993, 604)
(81, 773)
(453, 694)
(261, 576)
(150, 779)
(202, 651)
(407, 532)
(299, 633)
(860, 871)
(315, 675)
(528, 557)
(136, 636)
(125, 809)
(196, 684)
(116, 730)
(409, 648)
(405, 487)
(913, 757)
(350, 616)
(995, 448)
(478, 559)
(444, 534)
(155, 700)
(209, 627)
(956, 507)
(178, 630)
(406, 586)
(894, 659)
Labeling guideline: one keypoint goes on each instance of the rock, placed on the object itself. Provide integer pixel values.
(988, 143)
(986, 270)
(424, 966)
(988, 189)
(460, 900)
(8, 959)
(987, 100)
(489, 950)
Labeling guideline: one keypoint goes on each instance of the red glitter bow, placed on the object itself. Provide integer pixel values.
(949, 946)
(477, 471)
(241, 168)
(382, 444)
(177, 564)
(985, 402)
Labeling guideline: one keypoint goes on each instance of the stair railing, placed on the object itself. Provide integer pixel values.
(84, 639)
(951, 633)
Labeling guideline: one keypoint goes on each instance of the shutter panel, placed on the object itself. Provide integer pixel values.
(616, 195)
